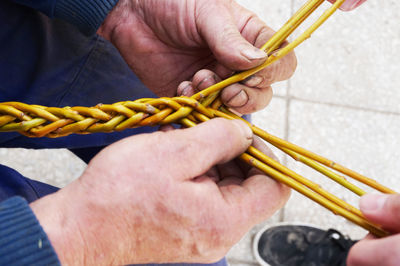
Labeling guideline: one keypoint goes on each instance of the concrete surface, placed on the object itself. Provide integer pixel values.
(343, 102)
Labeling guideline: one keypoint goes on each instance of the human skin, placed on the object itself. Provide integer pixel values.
(371, 251)
(180, 191)
(350, 4)
(167, 42)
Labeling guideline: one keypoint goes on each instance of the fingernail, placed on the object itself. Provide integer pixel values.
(207, 82)
(188, 91)
(239, 99)
(349, 5)
(253, 81)
(244, 128)
(373, 202)
(254, 54)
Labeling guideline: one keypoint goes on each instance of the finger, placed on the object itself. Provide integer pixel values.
(382, 209)
(230, 173)
(259, 144)
(197, 149)
(384, 251)
(259, 196)
(246, 100)
(256, 199)
(216, 25)
(258, 33)
(185, 89)
(204, 79)
(349, 4)
(280, 70)
(212, 174)
(230, 181)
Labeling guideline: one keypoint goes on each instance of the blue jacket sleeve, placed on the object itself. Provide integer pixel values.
(87, 15)
(22, 239)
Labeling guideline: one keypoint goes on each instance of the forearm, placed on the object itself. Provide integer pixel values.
(87, 15)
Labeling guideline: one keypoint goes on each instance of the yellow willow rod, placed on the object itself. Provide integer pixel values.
(283, 143)
(335, 177)
(308, 183)
(291, 25)
(314, 196)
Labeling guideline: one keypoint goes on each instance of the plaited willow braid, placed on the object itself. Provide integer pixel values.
(41, 121)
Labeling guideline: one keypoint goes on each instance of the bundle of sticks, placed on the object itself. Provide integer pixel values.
(41, 121)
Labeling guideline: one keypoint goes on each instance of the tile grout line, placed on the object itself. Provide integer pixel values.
(287, 118)
(338, 105)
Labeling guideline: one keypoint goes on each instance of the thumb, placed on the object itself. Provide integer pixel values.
(195, 150)
(382, 209)
(231, 49)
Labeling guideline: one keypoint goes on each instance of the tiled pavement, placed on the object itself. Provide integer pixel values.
(342, 102)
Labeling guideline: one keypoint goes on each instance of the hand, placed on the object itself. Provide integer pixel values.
(166, 42)
(349, 4)
(383, 210)
(152, 198)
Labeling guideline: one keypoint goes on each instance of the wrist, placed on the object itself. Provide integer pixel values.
(114, 18)
(56, 216)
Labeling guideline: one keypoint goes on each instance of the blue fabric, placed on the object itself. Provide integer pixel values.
(86, 15)
(13, 183)
(22, 239)
(52, 63)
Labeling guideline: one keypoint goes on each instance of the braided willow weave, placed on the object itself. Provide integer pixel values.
(41, 121)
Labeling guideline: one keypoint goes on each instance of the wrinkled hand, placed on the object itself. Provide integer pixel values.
(166, 42)
(350, 4)
(383, 210)
(158, 198)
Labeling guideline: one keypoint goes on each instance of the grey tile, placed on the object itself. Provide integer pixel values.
(274, 12)
(353, 59)
(281, 88)
(272, 119)
(56, 167)
(361, 140)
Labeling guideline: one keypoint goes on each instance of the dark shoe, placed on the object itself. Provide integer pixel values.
(301, 245)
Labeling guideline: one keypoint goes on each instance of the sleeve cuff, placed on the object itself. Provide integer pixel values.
(87, 15)
(22, 239)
